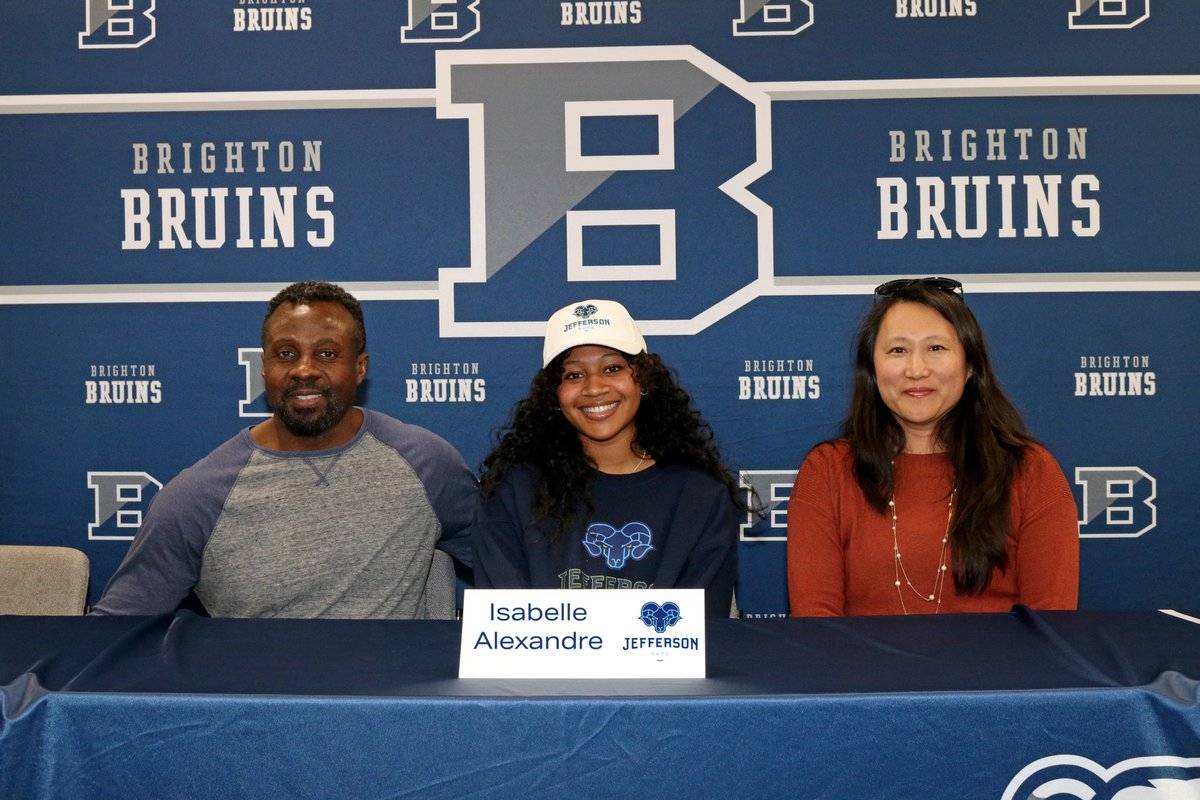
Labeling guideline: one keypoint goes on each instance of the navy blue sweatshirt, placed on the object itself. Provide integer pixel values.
(668, 527)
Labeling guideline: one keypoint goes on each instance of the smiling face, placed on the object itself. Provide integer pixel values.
(920, 369)
(599, 395)
(311, 372)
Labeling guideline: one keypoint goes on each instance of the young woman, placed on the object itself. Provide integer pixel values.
(936, 499)
(606, 477)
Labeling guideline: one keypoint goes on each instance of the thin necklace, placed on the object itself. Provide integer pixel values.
(939, 578)
(642, 460)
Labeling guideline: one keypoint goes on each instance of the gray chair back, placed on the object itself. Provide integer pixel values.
(38, 580)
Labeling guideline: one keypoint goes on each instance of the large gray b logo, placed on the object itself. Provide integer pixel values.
(773, 489)
(254, 402)
(440, 21)
(118, 24)
(773, 17)
(1118, 502)
(121, 500)
(615, 172)
(1108, 14)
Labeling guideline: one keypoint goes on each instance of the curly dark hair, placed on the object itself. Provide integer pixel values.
(669, 428)
(983, 435)
(307, 292)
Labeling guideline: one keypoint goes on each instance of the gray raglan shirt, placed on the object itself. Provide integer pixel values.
(341, 533)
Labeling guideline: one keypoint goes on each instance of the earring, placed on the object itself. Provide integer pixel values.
(644, 393)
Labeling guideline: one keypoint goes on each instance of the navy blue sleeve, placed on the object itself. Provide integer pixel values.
(163, 562)
(449, 483)
(453, 497)
(498, 535)
(712, 564)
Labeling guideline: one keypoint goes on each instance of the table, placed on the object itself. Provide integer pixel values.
(963, 706)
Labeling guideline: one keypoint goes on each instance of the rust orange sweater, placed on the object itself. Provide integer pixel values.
(840, 558)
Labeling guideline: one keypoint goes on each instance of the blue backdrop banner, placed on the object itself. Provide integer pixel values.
(739, 173)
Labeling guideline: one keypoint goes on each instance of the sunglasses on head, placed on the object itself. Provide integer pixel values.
(942, 284)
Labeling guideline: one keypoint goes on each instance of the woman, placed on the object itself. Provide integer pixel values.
(606, 477)
(936, 499)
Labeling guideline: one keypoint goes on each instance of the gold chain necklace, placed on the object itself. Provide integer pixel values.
(642, 460)
(939, 579)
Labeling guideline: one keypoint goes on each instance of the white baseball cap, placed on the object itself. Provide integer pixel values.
(602, 322)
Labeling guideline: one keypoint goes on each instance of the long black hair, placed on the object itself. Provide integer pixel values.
(983, 435)
(669, 428)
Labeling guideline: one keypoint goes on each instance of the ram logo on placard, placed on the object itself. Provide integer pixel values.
(440, 21)
(121, 498)
(773, 17)
(606, 172)
(1108, 14)
(1071, 776)
(770, 491)
(1118, 502)
(660, 617)
(254, 401)
(117, 24)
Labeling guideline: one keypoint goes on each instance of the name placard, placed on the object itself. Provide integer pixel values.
(560, 633)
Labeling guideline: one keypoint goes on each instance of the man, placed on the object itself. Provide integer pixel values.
(323, 510)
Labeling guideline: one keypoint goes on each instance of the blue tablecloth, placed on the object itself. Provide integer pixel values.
(999, 705)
